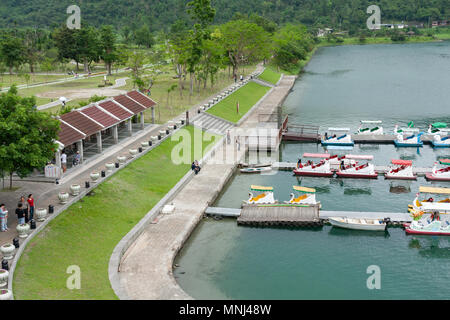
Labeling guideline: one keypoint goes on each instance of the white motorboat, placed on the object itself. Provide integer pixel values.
(307, 196)
(265, 196)
(338, 137)
(377, 130)
(358, 224)
(402, 170)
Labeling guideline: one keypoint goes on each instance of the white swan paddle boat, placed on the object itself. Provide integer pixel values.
(339, 137)
(364, 171)
(430, 205)
(441, 142)
(402, 170)
(438, 174)
(411, 139)
(311, 169)
(265, 196)
(378, 130)
(438, 128)
(307, 197)
(428, 227)
(358, 224)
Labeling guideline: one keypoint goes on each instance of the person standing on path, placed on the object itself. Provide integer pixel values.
(238, 143)
(228, 137)
(24, 208)
(20, 212)
(64, 162)
(3, 218)
(31, 206)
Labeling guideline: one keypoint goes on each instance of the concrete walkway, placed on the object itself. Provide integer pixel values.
(145, 271)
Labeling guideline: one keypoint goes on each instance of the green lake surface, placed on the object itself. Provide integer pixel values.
(341, 86)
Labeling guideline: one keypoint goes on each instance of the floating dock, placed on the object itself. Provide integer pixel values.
(279, 215)
(285, 215)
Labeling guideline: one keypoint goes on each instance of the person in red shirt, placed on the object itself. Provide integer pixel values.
(31, 205)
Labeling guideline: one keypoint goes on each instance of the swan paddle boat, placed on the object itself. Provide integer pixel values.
(432, 227)
(438, 174)
(402, 170)
(378, 130)
(265, 195)
(311, 169)
(430, 205)
(364, 171)
(359, 224)
(307, 196)
(411, 139)
(339, 137)
(440, 141)
(438, 128)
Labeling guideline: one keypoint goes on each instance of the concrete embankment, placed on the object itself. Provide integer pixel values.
(141, 266)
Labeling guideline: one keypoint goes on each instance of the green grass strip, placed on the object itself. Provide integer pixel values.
(247, 96)
(270, 76)
(86, 234)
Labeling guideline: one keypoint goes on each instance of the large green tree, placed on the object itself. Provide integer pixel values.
(108, 51)
(27, 136)
(12, 52)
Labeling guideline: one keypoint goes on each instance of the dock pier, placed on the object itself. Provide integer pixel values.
(299, 216)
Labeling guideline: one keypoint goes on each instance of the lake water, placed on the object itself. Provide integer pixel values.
(341, 86)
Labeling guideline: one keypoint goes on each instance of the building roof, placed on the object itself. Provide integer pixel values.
(116, 110)
(130, 104)
(82, 122)
(142, 99)
(68, 135)
(100, 116)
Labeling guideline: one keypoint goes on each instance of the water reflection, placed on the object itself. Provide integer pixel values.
(339, 232)
(357, 191)
(399, 187)
(431, 246)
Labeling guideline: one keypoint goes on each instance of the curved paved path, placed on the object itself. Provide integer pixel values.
(145, 271)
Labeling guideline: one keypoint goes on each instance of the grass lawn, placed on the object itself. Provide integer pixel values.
(247, 96)
(271, 76)
(86, 234)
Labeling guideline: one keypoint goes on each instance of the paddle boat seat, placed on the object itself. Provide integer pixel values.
(302, 197)
(342, 137)
(259, 197)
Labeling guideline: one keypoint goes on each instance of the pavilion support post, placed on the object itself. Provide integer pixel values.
(115, 131)
(80, 148)
(99, 142)
(130, 126)
(153, 115)
(58, 158)
(142, 121)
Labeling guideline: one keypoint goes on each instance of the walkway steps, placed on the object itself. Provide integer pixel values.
(211, 123)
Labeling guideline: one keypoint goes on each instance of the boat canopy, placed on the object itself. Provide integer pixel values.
(304, 189)
(317, 155)
(439, 125)
(410, 129)
(445, 161)
(371, 121)
(359, 157)
(259, 188)
(434, 190)
(402, 162)
(339, 129)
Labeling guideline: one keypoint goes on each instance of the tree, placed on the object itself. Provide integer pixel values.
(178, 48)
(88, 48)
(65, 40)
(144, 37)
(108, 47)
(12, 52)
(244, 41)
(27, 136)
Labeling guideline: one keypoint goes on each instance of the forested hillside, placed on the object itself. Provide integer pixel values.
(160, 14)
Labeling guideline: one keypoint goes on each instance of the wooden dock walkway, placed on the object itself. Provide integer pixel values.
(279, 215)
(285, 215)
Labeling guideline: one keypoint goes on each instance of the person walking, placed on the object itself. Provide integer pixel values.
(24, 207)
(3, 218)
(20, 212)
(30, 201)
(77, 159)
(64, 162)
